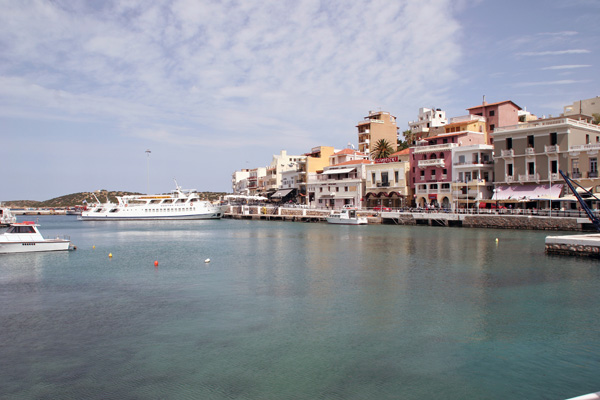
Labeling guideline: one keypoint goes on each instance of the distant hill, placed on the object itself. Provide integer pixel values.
(76, 199)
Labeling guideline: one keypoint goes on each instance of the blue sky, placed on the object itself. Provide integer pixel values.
(211, 87)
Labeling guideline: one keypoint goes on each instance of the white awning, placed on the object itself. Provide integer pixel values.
(527, 192)
(338, 171)
(281, 193)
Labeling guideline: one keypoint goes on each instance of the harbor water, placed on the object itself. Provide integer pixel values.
(296, 311)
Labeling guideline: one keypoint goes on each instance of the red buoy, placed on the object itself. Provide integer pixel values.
(156, 263)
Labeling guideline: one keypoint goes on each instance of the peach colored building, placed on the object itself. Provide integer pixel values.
(376, 126)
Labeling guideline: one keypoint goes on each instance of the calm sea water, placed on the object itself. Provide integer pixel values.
(296, 311)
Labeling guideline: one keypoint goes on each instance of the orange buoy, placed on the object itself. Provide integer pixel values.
(109, 255)
(156, 263)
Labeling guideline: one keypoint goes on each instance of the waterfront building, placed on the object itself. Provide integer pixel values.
(587, 107)
(239, 181)
(283, 164)
(387, 181)
(428, 118)
(431, 161)
(374, 127)
(472, 174)
(256, 176)
(342, 183)
(528, 157)
(497, 115)
(316, 160)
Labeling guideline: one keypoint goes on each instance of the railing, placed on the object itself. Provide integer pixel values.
(510, 179)
(473, 163)
(551, 149)
(507, 153)
(593, 174)
(585, 147)
(529, 178)
(383, 184)
(530, 151)
(438, 162)
(576, 175)
(435, 147)
(542, 123)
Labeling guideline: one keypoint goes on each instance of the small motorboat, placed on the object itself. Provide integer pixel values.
(346, 216)
(25, 237)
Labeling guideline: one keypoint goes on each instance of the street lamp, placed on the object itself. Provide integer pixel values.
(148, 171)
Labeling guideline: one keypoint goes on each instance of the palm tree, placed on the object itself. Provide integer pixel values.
(382, 149)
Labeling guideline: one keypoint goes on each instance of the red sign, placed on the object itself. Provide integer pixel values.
(386, 160)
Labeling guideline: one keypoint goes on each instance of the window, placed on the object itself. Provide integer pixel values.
(492, 127)
(508, 143)
(345, 188)
(337, 188)
(594, 164)
(587, 139)
(575, 165)
(396, 176)
(467, 177)
(553, 139)
(461, 159)
(422, 172)
(554, 166)
(531, 168)
(372, 176)
(460, 177)
(530, 141)
(492, 113)
(384, 177)
(509, 170)
(444, 171)
(445, 140)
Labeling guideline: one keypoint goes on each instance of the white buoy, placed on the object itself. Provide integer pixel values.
(207, 260)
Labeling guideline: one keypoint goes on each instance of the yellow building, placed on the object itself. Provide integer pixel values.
(376, 126)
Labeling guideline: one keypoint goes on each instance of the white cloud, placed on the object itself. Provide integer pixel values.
(561, 67)
(549, 83)
(554, 52)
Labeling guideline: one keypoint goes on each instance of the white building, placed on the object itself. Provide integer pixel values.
(472, 173)
(339, 185)
(239, 181)
(428, 118)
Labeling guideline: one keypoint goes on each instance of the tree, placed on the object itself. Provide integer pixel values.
(409, 139)
(596, 119)
(382, 149)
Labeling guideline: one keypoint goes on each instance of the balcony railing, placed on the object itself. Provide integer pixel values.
(529, 178)
(435, 147)
(551, 149)
(510, 178)
(593, 174)
(507, 153)
(530, 151)
(438, 162)
(585, 147)
(383, 184)
(576, 174)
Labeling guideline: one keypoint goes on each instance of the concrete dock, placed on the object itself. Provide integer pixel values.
(574, 245)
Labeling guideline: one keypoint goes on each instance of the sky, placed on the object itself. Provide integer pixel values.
(211, 87)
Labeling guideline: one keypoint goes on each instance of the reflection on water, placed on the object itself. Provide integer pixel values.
(293, 310)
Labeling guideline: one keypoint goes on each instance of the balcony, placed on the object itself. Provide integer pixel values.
(510, 179)
(435, 148)
(593, 174)
(438, 162)
(585, 147)
(530, 151)
(383, 184)
(507, 153)
(551, 149)
(529, 178)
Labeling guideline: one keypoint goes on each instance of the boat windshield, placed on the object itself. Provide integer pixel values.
(21, 229)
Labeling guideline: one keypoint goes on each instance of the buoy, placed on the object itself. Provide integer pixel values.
(156, 263)
(207, 260)
(94, 246)
(109, 255)
(496, 240)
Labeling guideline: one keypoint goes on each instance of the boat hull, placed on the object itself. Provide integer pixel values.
(343, 221)
(34, 246)
(109, 217)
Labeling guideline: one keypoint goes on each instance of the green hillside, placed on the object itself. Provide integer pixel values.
(76, 199)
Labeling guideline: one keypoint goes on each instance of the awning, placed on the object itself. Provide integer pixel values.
(281, 193)
(338, 171)
(527, 192)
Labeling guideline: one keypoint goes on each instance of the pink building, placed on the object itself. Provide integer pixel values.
(503, 113)
(431, 166)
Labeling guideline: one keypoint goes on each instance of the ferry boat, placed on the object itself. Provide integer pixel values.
(25, 237)
(6, 217)
(346, 216)
(180, 204)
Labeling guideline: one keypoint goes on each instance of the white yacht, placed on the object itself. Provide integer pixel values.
(346, 216)
(180, 204)
(24, 237)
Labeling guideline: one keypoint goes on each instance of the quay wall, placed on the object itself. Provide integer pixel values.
(497, 221)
